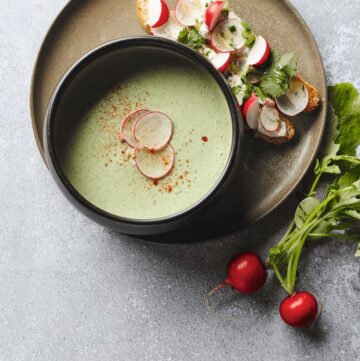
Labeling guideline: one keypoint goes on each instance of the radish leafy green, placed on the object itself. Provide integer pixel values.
(338, 212)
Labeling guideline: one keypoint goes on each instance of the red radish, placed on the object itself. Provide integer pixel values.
(299, 310)
(280, 132)
(158, 13)
(269, 102)
(153, 130)
(251, 112)
(188, 11)
(270, 118)
(213, 13)
(220, 61)
(260, 52)
(226, 36)
(246, 273)
(155, 165)
(170, 29)
(295, 100)
(125, 133)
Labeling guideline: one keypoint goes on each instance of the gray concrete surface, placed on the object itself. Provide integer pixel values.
(71, 290)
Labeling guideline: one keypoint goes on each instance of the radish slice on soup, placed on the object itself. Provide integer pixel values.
(125, 134)
(153, 130)
(226, 36)
(170, 30)
(155, 165)
(158, 13)
(295, 100)
(270, 118)
(260, 52)
(188, 11)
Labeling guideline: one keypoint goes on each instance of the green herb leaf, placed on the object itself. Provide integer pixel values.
(246, 26)
(232, 28)
(248, 34)
(275, 81)
(191, 38)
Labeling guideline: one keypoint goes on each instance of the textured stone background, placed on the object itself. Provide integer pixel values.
(71, 290)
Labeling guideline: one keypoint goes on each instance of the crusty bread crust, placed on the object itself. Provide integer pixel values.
(290, 134)
(142, 14)
(314, 99)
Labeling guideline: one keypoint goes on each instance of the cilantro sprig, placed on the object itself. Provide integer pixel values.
(275, 81)
(335, 214)
(191, 38)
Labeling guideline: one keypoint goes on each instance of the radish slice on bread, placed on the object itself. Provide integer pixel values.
(295, 100)
(155, 165)
(158, 13)
(260, 52)
(213, 13)
(227, 36)
(153, 130)
(170, 30)
(251, 112)
(269, 118)
(126, 134)
(284, 134)
(188, 11)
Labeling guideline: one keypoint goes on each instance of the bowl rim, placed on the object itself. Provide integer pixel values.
(151, 42)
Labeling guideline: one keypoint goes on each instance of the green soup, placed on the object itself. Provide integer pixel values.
(102, 169)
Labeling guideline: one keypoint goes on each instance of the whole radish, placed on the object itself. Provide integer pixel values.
(246, 273)
(299, 309)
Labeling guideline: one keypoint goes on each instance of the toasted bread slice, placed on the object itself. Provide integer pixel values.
(314, 99)
(142, 14)
(290, 133)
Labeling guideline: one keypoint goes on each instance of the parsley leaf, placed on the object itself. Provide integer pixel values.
(191, 38)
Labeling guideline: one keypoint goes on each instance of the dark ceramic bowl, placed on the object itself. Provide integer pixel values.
(86, 78)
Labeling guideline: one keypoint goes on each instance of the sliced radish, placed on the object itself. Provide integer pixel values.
(188, 11)
(270, 118)
(280, 132)
(270, 103)
(226, 36)
(125, 134)
(295, 100)
(170, 30)
(260, 52)
(213, 13)
(153, 130)
(155, 165)
(251, 112)
(220, 61)
(158, 13)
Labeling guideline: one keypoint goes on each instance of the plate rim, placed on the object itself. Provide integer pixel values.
(280, 200)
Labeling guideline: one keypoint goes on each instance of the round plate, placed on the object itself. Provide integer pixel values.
(269, 173)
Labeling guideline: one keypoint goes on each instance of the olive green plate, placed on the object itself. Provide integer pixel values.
(269, 173)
